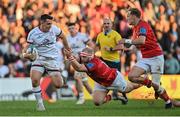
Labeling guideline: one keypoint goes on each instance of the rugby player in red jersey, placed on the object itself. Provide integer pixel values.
(152, 55)
(106, 78)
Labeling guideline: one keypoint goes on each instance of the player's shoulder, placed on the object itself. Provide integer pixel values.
(143, 23)
(82, 34)
(96, 59)
(33, 31)
(54, 27)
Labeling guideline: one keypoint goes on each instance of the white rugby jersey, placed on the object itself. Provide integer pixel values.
(78, 42)
(60, 46)
(45, 42)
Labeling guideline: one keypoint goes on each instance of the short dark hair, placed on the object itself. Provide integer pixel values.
(71, 24)
(135, 11)
(44, 17)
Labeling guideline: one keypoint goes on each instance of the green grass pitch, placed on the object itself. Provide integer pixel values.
(69, 108)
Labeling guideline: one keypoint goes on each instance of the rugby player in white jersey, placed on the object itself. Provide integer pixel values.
(78, 42)
(44, 38)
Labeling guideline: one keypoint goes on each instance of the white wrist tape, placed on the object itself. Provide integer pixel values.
(128, 41)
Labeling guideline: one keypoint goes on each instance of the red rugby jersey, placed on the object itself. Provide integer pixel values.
(151, 48)
(100, 72)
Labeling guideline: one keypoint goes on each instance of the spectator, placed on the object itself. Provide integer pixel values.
(149, 13)
(4, 70)
(177, 54)
(171, 65)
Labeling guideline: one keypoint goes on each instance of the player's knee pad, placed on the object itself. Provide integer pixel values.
(156, 78)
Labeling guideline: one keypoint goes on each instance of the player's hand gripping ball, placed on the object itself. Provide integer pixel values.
(34, 53)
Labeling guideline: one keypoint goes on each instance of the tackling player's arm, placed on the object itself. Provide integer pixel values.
(76, 65)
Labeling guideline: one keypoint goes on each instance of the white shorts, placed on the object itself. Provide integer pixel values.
(153, 65)
(118, 84)
(49, 65)
(81, 75)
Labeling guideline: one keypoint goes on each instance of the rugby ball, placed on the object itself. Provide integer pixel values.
(32, 50)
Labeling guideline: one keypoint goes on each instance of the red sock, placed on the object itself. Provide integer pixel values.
(164, 96)
(107, 98)
(147, 82)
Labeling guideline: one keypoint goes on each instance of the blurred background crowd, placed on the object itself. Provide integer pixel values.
(18, 17)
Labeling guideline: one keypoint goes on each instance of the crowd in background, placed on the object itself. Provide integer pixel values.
(18, 17)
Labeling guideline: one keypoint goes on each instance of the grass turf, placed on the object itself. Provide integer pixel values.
(69, 108)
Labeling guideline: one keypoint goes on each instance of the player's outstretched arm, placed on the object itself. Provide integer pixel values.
(139, 41)
(76, 65)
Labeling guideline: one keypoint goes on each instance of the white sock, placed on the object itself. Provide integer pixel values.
(81, 95)
(37, 93)
(167, 102)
